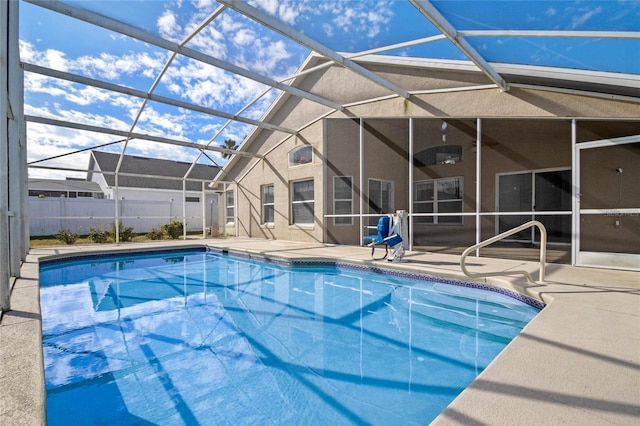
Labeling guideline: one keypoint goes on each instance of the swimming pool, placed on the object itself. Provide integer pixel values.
(200, 337)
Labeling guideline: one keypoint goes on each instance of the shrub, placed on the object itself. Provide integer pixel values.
(156, 234)
(173, 229)
(66, 236)
(126, 232)
(98, 236)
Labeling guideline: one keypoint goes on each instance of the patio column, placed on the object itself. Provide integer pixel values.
(5, 286)
(13, 164)
(478, 182)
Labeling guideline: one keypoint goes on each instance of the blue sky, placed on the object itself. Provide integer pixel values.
(56, 41)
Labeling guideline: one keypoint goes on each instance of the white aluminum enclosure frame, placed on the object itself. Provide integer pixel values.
(13, 137)
(14, 231)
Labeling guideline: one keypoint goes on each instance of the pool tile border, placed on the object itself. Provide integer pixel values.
(59, 258)
(385, 271)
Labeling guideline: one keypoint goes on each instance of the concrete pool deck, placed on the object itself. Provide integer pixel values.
(577, 362)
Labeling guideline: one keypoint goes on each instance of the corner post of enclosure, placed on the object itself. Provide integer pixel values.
(116, 203)
(203, 205)
(224, 210)
(325, 173)
(184, 209)
(361, 177)
(5, 283)
(18, 190)
(575, 195)
(410, 183)
(478, 182)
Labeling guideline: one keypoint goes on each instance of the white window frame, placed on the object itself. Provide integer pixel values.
(532, 173)
(392, 194)
(294, 151)
(265, 204)
(230, 219)
(345, 221)
(436, 202)
(294, 202)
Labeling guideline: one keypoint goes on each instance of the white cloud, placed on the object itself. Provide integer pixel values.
(168, 25)
(49, 58)
(244, 37)
(269, 6)
(289, 12)
(585, 14)
(208, 86)
(328, 29)
(165, 124)
(88, 96)
(204, 4)
(103, 65)
(113, 67)
(48, 141)
(268, 57)
(36, 83)
(211, 41)
(356, 18)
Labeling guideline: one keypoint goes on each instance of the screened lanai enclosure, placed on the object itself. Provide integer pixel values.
(465, 180)
(307, 120)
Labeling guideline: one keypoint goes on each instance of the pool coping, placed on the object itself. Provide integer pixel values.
(516, 387)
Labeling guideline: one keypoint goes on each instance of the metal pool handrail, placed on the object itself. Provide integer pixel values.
(543, 252)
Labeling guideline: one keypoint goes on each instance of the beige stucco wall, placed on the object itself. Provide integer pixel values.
(520, 147)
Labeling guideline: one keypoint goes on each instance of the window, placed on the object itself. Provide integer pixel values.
(268, 207)
(438, 196)
(381, 198)
(442, 154)
(342, 199)
(231, 208)
(302, 203)
(300, 155)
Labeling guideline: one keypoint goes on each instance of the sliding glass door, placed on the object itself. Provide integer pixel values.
(543, 195)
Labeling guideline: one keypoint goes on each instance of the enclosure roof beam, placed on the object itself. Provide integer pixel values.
(90, 128)
(629, 35)
(144, 95)
(113, 173)
(137, 33)
(292, 34)
(435, 17)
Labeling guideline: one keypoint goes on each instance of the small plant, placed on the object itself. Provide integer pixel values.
(173, 229)
(98, 236)
(156, 234)
(66, 236)
(126, 232)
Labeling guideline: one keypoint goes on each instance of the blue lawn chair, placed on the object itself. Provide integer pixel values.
(382, 237)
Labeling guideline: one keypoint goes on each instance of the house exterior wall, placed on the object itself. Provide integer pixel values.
(522, 130)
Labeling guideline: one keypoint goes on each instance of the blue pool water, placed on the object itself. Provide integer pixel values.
(197, 337)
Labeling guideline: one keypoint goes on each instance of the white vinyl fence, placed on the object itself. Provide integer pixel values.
(47, 216)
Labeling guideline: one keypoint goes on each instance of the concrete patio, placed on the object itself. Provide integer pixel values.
(577, 362)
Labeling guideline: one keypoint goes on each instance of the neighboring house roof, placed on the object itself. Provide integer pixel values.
(63, 185)
(107, 162)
